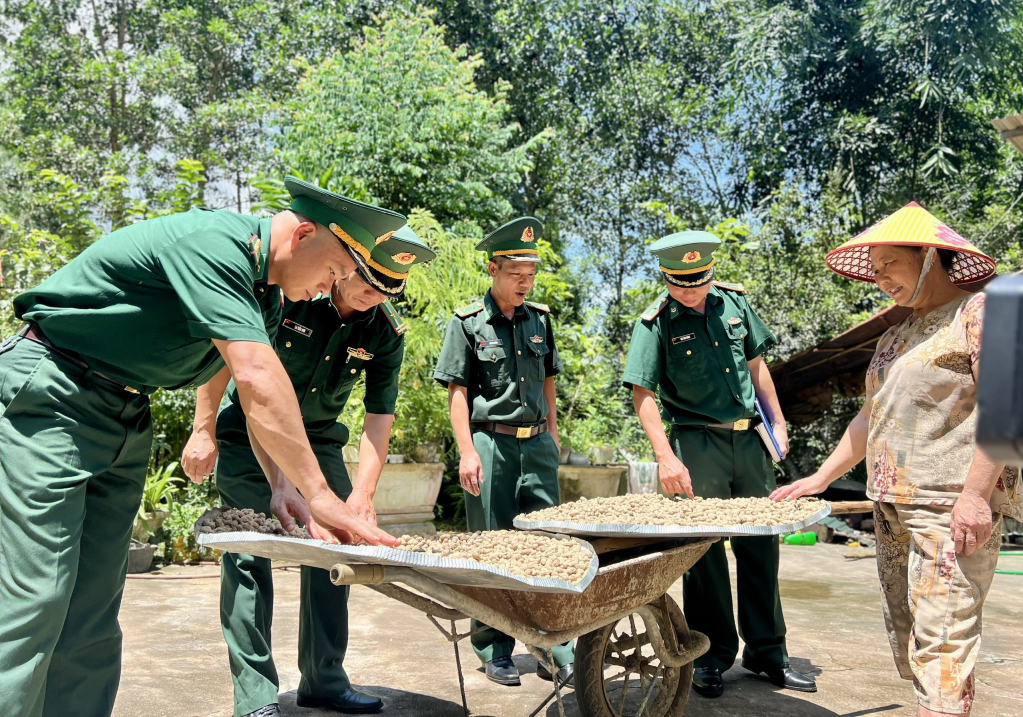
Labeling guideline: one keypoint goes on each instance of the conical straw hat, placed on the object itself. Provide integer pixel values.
(910, 226)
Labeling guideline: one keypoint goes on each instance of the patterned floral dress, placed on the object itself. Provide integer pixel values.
(923, 419)
(922, 400)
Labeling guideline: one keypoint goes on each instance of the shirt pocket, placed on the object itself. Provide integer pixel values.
(493, 363)
(344, 374)
(293, 348)
(537, 356)
(688, 361)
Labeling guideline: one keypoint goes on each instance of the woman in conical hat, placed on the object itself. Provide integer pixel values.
(939, 501)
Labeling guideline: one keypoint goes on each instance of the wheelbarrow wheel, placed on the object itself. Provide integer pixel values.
(617, 673)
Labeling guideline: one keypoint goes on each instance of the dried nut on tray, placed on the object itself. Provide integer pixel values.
(652, 509)
(532, 556)
(246, 520)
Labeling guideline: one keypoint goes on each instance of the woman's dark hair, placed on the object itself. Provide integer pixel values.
(946, 256)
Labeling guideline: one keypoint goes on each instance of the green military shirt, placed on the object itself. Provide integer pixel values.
(699, 361)
(502, 362)
(142, 304)
(325, 356)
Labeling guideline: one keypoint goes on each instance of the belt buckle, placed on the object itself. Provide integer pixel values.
(741, 425)
(523, 432)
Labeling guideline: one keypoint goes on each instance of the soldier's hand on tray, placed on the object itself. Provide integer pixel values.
(289, 505)
(470, 472)
(674, 475)
(971, 521)
(200, 456)
(331, 513)
(362, 504)
(811, 485)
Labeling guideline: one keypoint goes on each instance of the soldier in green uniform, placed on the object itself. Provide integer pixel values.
(701, 346)
(498, 363)
(326, 345)
(162, 303)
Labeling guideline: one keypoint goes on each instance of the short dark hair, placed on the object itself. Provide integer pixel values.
(945, 256)
(500, 260)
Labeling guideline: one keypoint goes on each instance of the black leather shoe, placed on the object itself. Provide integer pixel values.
(565, 674)
(783, 676)
(268, 711)
(349, 702)
(503, 671)
(707, 682)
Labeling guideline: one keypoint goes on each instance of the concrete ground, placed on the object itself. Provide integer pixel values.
(175, 662)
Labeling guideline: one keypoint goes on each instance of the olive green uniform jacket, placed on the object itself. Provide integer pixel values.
(325, 356)
(140, 306)
(503, 363)
(698, 364)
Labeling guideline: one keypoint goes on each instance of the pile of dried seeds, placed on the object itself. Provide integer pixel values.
(246, 520)
(525, 554)
(652, 509)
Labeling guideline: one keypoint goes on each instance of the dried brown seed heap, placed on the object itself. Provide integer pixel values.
(652, 509)
(246, 520)
(525, 554)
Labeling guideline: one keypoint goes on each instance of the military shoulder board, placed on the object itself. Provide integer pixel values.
(393, 318)
(730, 287)
(539, 307)
(470, 309)
(655, 308)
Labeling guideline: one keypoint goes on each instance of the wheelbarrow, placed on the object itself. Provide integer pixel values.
(634, 652)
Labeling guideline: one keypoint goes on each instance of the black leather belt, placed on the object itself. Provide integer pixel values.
(517, 431)
(32, 332)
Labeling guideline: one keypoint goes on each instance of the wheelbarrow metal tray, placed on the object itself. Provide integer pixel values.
(616, 589)
(617, 530)
(318, 554)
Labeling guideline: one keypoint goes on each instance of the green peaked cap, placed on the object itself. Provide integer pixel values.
(687, 258)
(515, 240)
(379, 240)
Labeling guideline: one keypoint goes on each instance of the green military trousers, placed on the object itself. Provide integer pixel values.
(519, 475)
(73, 457)
(247, 593)
(732, 464)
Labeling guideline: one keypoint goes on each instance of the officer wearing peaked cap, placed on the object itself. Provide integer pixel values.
(498, 363)
(700, 346)
(163, 303)
(326, 346)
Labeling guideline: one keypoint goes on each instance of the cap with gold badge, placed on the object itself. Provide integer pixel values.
(516, 240)
(687, 258)
(382, 245)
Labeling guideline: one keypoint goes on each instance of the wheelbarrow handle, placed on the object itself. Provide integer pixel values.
(358, 574)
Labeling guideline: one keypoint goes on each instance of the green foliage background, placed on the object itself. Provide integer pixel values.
(785, 127)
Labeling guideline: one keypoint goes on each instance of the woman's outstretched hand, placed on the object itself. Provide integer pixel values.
(811, 485)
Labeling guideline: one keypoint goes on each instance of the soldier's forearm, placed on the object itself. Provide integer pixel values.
(376, 437)
(458, 407)
(650, 417)
(272, 412)
(550, 394)
(207, 399)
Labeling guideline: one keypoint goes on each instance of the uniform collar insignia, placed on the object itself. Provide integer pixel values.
(256, 249)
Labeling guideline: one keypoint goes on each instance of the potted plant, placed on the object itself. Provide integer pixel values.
(157, 500)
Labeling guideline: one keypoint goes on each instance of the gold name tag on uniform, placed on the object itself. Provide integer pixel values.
(680, 339)
(359, 354)
(298, 328)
